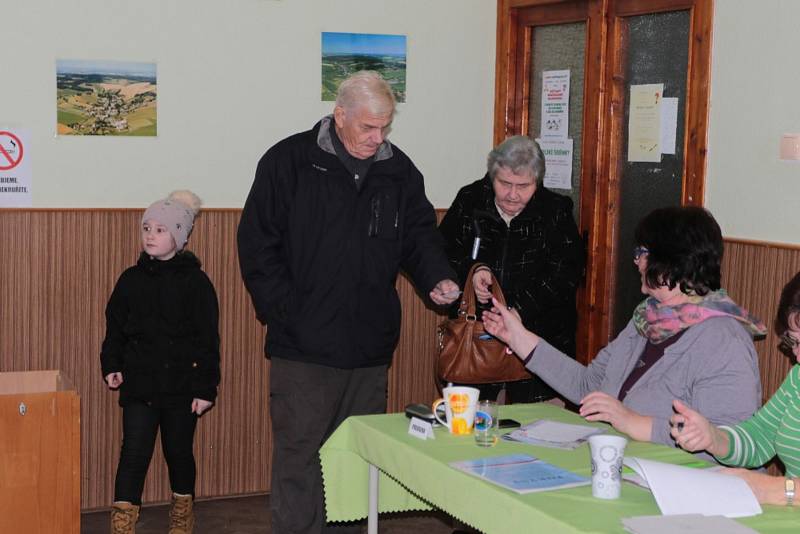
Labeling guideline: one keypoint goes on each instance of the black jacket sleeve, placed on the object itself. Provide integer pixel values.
(205, 319)
(262, 257)
(113, 348)
(423, 256)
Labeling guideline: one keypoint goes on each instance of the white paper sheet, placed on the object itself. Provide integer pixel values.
(685, 490)
(684, 524)
(669, 124)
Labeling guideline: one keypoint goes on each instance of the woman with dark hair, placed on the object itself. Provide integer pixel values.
(687, 339)
(525, 235)
(773, 431)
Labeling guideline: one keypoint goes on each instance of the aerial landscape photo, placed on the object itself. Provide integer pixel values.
(106, 98)
(346, 53)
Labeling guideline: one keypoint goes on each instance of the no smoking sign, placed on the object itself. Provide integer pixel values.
(15, 168)
(11, 151)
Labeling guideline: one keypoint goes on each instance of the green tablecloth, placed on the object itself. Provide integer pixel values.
(415, 475)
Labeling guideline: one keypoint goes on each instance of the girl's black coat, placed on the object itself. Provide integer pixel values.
(162, 324)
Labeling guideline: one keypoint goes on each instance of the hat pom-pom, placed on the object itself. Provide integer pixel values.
(186, 197)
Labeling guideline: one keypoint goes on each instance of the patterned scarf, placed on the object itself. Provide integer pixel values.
(658, 322)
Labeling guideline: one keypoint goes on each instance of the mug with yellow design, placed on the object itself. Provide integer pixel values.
(459, 408)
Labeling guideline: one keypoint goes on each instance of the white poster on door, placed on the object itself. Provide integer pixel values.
(558, 163)
(555, 105)
(644, 122)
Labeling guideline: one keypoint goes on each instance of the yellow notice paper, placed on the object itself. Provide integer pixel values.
(644, 122)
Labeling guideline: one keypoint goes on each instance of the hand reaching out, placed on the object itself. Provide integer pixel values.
(506, 325)
(445, 292)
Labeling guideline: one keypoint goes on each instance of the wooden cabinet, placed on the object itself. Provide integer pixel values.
(39, 453)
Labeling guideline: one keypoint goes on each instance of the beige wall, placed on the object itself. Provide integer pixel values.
(755, 97)
(233, 78)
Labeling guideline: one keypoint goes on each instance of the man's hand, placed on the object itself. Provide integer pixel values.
(482, 282)
(199, 406)
(114, 380)
(445, 292)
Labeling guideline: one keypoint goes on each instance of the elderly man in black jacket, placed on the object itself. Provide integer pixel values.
(333, 214)
(529, 241)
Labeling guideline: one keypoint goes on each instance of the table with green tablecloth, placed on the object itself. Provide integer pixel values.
(414, 474)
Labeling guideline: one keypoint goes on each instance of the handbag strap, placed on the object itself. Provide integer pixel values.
(469, 301)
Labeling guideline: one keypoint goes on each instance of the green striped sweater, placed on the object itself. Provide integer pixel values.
(774, 429)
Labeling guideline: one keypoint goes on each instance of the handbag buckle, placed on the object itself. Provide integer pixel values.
(471, 317)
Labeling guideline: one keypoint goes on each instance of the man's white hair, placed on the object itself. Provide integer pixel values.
(366, 88)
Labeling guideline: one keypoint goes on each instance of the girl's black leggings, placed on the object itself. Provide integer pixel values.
(140, 424)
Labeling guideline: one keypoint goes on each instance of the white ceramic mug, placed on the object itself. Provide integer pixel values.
(459, 408)
(607, 454)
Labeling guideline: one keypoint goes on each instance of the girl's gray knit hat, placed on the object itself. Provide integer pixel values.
(177, 213)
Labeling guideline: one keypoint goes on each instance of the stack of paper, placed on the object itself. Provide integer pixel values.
(684, 490)
(546, 433)
(685, 524)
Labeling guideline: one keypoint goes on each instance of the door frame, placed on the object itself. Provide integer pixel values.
(604, 95)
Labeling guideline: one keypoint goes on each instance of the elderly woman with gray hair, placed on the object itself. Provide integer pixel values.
(528, 240)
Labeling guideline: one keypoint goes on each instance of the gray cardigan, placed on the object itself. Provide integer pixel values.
(713, 368)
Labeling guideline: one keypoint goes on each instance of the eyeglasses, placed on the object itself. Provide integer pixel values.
(638, 252)
(788, 343)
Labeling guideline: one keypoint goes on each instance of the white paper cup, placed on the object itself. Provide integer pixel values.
(607, 454)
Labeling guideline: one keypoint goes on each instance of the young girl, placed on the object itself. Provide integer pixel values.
(162, 351)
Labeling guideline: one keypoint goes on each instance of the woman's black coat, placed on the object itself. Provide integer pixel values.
(538, 259)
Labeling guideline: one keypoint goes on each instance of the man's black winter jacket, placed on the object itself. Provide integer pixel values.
(320, 257)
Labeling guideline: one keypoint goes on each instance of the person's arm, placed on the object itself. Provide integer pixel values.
(205, 316)
(423, 256)
(768, 489)
(753, 440)
(569, 378)
(262, 257)
(113, 347)
(556, 284)
(599, 406)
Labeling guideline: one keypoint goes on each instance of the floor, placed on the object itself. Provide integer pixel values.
(248, 515)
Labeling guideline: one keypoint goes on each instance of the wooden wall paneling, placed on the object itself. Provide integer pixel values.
(57, 269)
(754, 274)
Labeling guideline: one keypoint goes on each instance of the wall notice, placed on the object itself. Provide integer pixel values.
(15, 168)
(644, 122)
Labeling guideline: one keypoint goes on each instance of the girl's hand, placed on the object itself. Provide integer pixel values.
(598, 406)
(114, 380)
(200, 405)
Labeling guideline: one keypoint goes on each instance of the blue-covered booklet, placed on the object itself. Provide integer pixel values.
(521, 473)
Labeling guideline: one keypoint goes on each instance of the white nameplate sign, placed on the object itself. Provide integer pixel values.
(420, 429)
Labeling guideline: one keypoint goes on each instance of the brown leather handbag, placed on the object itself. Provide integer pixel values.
(467, 353)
